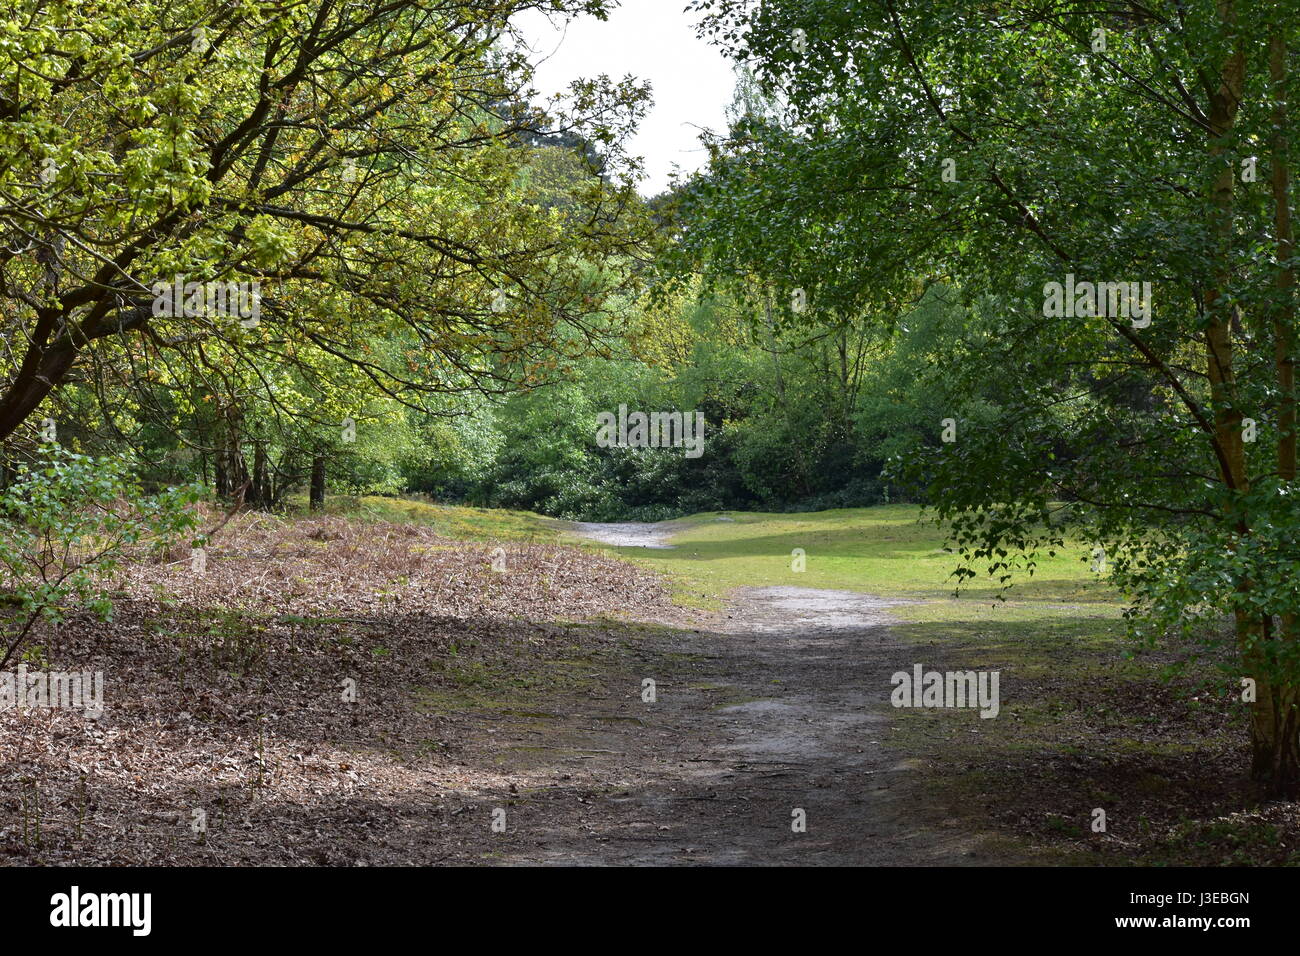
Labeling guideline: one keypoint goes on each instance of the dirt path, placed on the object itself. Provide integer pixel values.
(625, 534)
(777, 706)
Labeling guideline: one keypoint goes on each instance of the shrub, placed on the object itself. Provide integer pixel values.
(65, 523)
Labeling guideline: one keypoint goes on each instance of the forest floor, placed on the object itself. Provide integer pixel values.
(505, 716)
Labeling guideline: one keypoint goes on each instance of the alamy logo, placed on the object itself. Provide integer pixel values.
(653, 430)
(1114, 300)
(181, 299)
(923, 688)
(103, 909)
(76, 690)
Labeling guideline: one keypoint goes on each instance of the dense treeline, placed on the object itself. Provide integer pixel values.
(794, 420)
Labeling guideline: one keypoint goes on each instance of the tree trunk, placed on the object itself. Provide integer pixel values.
(317, 482)
(1275, 733)
(771, 338)
(231, 469)
(1273, 716)
(1218, 334)
(220, 477)
(1284, 314)
(52, 350)
(1275, 736)
(260, 492)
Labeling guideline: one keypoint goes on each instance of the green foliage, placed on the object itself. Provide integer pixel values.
(368, 168)
(66, 523)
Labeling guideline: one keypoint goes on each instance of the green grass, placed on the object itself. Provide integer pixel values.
(884, 551)
(461, 523)
(458, 522)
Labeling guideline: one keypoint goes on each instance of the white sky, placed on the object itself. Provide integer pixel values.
(652, 40)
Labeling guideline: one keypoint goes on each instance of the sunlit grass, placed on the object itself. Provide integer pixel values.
(883, 550)
(461, 523)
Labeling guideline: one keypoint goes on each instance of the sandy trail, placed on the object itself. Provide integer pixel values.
(627, 534)
(777, 707)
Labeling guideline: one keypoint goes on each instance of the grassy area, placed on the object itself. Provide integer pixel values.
(455, 521)
(885, 551)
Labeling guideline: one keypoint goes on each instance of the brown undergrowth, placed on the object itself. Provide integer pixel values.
(226, 736)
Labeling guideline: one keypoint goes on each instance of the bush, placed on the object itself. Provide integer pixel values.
(65, 522)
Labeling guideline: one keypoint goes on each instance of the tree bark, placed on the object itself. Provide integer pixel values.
(1272, 718)
(231, 469)
(261, 492)
(1275, 736)
(1275, 762)
(317, 495)
(55, 344)
(1218, 335)
(1284, 314)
